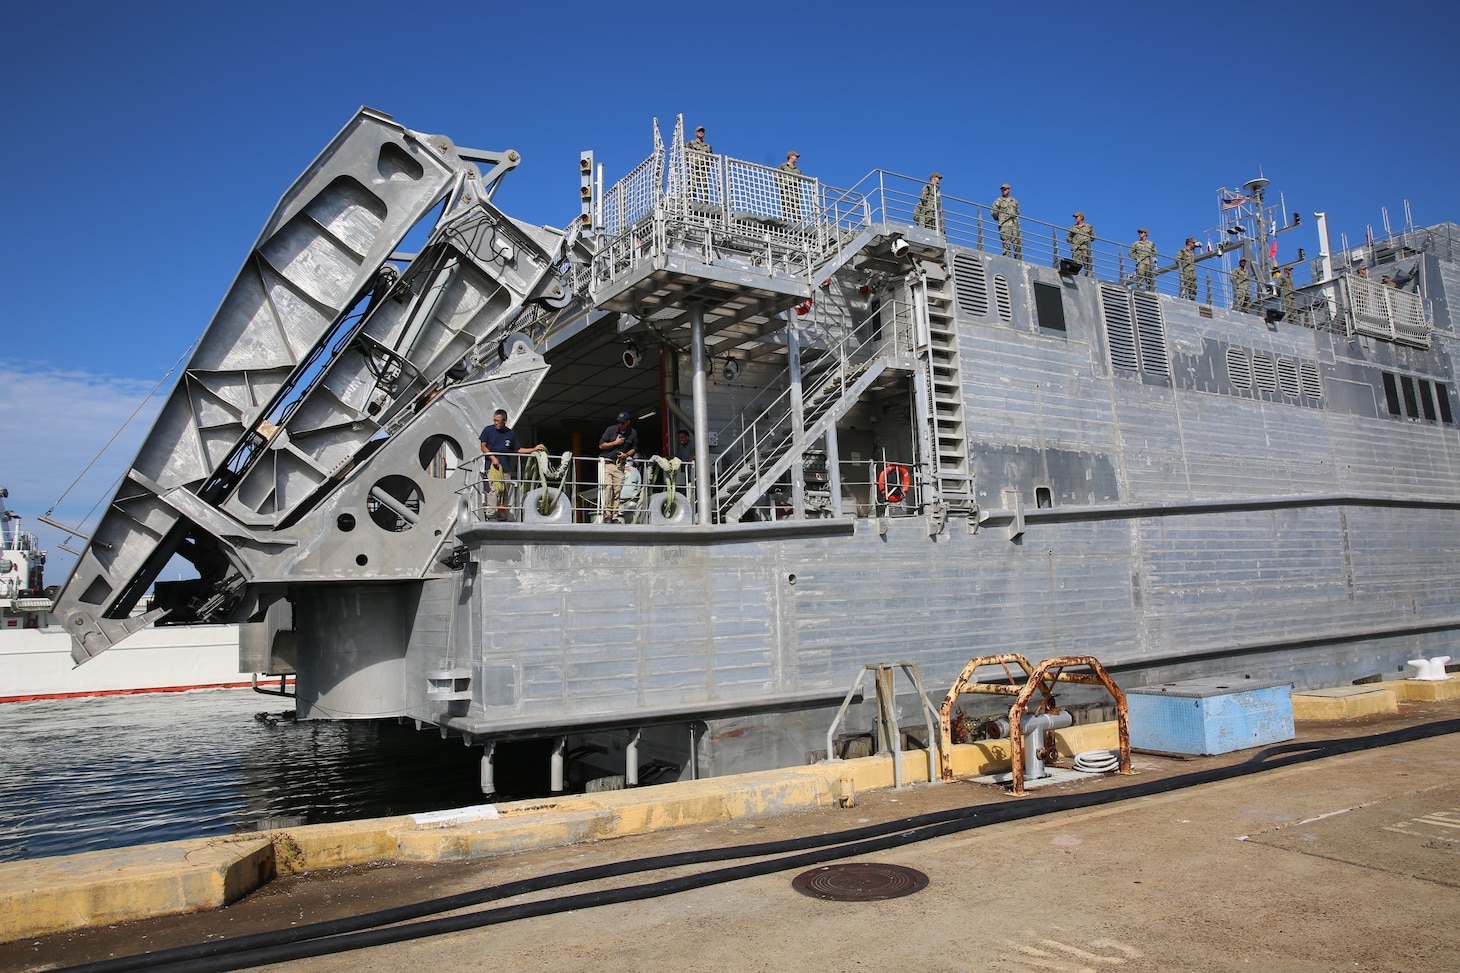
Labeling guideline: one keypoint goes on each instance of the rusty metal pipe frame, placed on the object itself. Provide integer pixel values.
(1039, 679)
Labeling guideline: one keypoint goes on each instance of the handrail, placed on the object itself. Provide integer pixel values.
(762, 428)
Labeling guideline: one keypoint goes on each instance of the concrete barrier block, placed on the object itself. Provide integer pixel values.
(48, 895)
(1343, 703)
(336, 843)
(1089, 736)
(1425, 690)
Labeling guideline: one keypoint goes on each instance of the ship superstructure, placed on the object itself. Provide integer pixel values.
(907, 444)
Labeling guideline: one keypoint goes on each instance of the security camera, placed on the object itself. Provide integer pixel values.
(899, 247)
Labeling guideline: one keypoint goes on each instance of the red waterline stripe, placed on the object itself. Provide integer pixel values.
(125, 692)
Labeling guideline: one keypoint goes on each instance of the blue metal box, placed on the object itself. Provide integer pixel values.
(1207, 716)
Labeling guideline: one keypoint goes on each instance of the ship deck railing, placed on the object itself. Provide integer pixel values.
(782, 225)
(512, 498)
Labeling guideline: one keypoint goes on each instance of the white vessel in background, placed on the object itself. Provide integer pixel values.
(35, 652)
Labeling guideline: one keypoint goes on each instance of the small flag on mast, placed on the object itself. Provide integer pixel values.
(1233, 202)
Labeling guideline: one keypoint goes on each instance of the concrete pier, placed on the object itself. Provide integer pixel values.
(1268, 871)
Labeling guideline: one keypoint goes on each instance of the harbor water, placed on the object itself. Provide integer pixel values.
(82, 775)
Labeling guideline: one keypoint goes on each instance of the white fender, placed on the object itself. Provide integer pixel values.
(562, 513)
(682, 514)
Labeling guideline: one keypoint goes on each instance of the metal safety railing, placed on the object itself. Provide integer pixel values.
(541, 489)
(888, 197)
(1383, 311)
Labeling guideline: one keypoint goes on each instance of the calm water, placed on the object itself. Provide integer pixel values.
(82, 775)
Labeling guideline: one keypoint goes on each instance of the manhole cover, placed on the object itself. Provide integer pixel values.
(859, 882)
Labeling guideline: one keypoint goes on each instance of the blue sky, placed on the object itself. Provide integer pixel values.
(145, 144)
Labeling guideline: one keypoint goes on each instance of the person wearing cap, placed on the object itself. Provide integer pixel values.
(1241, 279)
(616, 447)
(697, 153)
(1284, 281)
(929, 211)
(1186, 265)
(1006, 211)
(788, 178)
(1143, 252)
(1080, 237)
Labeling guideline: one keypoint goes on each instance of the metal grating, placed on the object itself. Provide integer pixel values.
(1311, 381)
(971, 284)
(1151, 330)
(1001, 297)
(632, 197)
(1287, 376)
(1119, 332)
(1264, 373)
(1239, 368)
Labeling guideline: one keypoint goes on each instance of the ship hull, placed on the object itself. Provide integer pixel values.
(36, 663)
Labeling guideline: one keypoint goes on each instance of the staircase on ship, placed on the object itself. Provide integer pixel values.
(745, 262)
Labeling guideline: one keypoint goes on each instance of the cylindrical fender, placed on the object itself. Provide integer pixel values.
(562, 512)
(682, 513)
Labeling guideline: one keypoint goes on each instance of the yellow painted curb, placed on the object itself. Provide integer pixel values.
(47, 895)
(52, 894)
(1344, 703)
(1088, 736)
(1425, 690)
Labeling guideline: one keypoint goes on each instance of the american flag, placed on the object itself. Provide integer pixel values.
(1233, 202)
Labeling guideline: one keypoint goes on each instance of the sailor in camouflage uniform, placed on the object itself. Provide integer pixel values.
(1285, 290)
(790, 185)
(1186, 264)
(1079, 237)
(1242, 287)
(697, 153)
(929, 211)
(1143, 252)
(1006, 211)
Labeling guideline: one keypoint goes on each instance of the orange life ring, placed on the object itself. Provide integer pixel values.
(893, 483)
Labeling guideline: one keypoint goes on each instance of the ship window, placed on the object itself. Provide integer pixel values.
(345, 522)
(1391, 395)
(1049, 306)
(1411, 406)
(1311, 380)
(1239, 368)
(1262, 371)
(971, 284)
(1442, 399)
(1287, 373)
(1426, 400)
(1042, 498)
(1001, 297)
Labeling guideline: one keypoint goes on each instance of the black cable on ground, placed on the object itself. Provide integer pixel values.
(359, 932)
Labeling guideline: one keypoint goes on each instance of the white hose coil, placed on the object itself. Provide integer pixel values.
(1097, 761)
